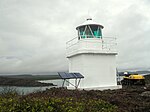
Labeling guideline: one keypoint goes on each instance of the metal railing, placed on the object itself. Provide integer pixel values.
(107, 43)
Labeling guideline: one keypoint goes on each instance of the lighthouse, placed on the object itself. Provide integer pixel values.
(94, 56)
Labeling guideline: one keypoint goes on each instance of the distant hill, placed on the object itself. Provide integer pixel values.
(136, 72)
(143, 72)
(34, 77)
(34, 73)
(8, 81)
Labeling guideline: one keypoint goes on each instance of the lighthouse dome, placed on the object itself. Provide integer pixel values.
(89, 21)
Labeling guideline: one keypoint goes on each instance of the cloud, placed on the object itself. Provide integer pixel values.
(133, 39)
(33, 34)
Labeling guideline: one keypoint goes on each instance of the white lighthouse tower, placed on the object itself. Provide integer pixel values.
(93, 56)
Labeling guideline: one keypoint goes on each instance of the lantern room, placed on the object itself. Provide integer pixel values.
(89, 29)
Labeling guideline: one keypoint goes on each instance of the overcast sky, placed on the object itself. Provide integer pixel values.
(33, 33)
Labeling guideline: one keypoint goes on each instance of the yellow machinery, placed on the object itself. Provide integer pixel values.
(133, 79)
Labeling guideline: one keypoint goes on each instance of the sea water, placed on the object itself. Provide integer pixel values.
(27, 90)
(22, 90)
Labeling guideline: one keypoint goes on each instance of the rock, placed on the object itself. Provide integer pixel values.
(146, 94)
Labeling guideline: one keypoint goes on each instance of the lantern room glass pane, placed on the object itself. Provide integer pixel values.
(82, 32)
(88, 33)
(96, 31)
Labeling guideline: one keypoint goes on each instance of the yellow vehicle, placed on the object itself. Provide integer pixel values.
(133, 79)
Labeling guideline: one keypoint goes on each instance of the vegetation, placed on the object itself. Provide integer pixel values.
(62, 100)
(12, 102)
(128, 99)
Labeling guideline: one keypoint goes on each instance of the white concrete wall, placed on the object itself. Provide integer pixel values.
(99, 70)
(75, 65)
(95, 60)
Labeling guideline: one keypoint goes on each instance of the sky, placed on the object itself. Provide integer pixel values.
(33, 33)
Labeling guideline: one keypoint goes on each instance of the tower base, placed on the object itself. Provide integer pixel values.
(98, 88)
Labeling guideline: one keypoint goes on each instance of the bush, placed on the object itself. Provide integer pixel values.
(25, 104)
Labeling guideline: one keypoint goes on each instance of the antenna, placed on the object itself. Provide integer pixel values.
(89, 16)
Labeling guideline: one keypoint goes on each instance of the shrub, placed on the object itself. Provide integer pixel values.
(26, 104)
